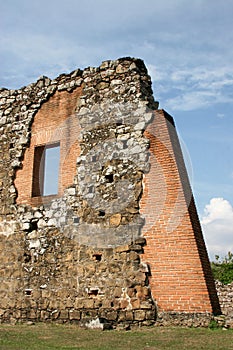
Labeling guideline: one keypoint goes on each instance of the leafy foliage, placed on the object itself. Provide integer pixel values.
(214, 325)
(223, 268)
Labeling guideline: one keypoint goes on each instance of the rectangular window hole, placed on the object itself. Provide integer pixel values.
(46, 170)
(28, 292)
(93, 292)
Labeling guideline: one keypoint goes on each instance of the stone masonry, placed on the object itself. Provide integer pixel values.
(120, 240)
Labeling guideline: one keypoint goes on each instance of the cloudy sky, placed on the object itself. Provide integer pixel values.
(187, 46)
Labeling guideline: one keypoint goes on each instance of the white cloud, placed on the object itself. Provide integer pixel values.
(193, 87)
(186, 43)
(217, 224)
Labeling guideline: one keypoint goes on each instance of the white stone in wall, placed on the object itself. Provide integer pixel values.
(41, 223)
(8, 228)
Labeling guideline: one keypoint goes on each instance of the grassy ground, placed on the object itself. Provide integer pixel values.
(70, 337)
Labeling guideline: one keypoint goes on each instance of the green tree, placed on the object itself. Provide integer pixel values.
(223, 268)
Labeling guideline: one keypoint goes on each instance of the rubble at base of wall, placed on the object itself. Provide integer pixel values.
(185, 319)
(118, 319)
(92, 319)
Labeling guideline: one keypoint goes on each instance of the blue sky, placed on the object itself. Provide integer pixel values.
(187, 46)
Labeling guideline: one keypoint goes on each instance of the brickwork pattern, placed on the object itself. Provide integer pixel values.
(122, 234)
(181, 278)
(54, 122)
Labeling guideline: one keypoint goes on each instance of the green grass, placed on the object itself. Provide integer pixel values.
(70, 337)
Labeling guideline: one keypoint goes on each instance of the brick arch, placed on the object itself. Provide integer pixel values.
(54, 122)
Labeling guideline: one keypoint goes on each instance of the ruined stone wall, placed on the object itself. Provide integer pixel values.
(225, 294)
(96, 248)
(76, 255)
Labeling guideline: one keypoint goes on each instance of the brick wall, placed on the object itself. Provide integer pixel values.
(181, 278)
(54, 122)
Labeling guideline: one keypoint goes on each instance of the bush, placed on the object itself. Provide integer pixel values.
(223, 268)
(213, 325)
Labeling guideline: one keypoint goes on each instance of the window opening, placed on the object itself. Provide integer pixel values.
(93, 292)
(46, 170)
(28, 291)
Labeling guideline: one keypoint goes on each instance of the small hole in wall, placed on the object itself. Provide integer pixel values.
(101, 213)
(27, 257)
(33, 226)
(112, 303)
(97, 257)
(28, 291)
(109, 178)
(93, 292)
(76, 220)
(125, 144)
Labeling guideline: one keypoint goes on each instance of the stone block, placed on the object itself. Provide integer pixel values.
(135, 247)
(88, 303)
(139, 315)
(121, 315)
(117, 292)
(64, 315)
(133, 256)
(135, 302)
(121, 249)
(75, 315)
(111, 315)
(129, 316)
(140, 241)
(151, 314)
(32, 314)
(124, 304)
(115, 220)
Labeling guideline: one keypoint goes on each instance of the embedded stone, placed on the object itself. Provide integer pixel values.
(122, 249)
(139, 315)
(140, 240)
(115, 220)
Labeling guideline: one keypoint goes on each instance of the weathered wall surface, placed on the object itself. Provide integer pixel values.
(225, 294)
(54, 122)
(110, 243)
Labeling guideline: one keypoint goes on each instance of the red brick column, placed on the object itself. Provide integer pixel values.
(181, 277)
